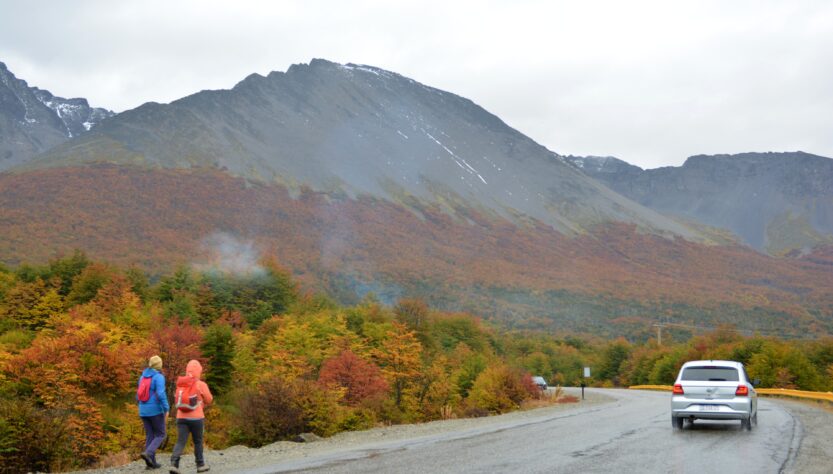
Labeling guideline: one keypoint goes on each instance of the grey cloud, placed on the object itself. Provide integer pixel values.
(651, 82)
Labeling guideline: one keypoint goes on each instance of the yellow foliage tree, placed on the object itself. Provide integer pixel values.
(399, 358)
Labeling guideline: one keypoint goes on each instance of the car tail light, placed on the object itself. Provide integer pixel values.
(742, 391)
(678, 389)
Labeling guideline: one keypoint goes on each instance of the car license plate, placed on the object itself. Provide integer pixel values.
(709, 408)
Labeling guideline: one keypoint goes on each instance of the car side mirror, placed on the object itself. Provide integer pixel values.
(756, 382)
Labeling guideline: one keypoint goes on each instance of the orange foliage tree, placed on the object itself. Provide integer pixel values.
(177, 343)
(74, 372)
(362, 379)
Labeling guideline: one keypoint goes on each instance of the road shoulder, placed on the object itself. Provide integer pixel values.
(237, 458)
(813, 454)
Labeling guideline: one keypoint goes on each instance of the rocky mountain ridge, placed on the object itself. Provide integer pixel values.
(781, 203)
(33, 120)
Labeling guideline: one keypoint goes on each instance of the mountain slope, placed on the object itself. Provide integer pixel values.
(33, 120)
(777, 202)
(614, 281)
(360, 130)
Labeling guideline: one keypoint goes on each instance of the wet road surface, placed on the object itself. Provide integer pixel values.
(631, 434)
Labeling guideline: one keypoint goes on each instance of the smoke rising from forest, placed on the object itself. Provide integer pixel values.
(226, 253)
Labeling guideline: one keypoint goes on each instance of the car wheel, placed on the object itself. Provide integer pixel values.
(746, 424)
(677, 422)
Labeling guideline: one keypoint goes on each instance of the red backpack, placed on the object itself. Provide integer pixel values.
(143, 392)
(187, 396)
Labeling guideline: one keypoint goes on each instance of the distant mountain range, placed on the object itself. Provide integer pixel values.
(360, 179)
(33, 120)
(781, 203)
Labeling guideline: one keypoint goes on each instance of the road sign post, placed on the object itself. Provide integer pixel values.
(586, 376)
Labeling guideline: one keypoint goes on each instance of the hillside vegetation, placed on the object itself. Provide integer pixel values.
(615, 280)
(75, 333)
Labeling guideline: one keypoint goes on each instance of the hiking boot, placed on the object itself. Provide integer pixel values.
(148, 460)
(203, 468)
(155, 466)
(173, 470)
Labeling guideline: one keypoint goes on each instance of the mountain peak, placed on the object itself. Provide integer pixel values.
(601, 164)
(320, 62)
(33, 120)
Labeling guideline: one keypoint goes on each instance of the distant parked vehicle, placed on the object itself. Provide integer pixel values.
(540, 382)
(714, 390)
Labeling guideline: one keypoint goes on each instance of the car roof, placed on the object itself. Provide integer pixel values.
(716, 363)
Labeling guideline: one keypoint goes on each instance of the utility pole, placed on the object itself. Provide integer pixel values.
(659, 333)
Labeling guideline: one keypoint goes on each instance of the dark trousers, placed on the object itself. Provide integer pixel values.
(154, 433)
(183, 428)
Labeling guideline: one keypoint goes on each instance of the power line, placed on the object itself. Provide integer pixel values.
(746, 332)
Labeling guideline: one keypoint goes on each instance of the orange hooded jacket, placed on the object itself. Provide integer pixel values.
(195, 369)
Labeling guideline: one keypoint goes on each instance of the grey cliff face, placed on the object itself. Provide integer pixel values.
(359, 130)
(33, 120)
(594, 165)
(777, 202)
(75, 114)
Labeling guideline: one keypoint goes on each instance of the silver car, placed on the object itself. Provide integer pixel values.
(714, 390)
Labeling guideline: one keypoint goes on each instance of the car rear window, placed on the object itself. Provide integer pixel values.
(712, 374)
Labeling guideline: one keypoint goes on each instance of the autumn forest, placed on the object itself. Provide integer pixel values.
(612, 280)
(75, 334)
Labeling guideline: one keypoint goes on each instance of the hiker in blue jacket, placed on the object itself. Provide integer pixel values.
(153, 409)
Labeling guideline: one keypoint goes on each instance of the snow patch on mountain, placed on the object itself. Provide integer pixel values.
(461, 162)
(76, 114)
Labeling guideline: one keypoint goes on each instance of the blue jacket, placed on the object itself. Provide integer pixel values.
(158, 401)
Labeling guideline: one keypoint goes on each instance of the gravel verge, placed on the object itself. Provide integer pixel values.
(812, 443)
(239, 457)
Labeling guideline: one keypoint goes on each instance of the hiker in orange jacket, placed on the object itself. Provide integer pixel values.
(191, 395)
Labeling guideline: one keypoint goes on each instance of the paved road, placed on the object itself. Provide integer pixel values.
(631, 434)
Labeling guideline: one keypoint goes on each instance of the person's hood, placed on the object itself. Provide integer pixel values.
(194, 369)
(148, 372)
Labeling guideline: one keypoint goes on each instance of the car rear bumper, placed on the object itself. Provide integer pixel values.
(728, 409)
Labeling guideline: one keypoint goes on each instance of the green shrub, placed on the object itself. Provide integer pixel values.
(268, 412)
(17, 339)
(358, 419)
(277, 409)
(218, 348)
(500, 389)
(32, 439)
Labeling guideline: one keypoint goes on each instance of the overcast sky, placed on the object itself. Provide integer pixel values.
(649, 82)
